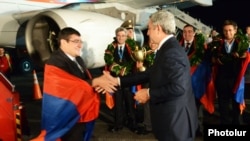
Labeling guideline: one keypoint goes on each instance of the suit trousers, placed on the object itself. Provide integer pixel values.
(124, 107)
(228, 107)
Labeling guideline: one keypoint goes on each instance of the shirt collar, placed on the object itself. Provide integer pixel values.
(71, 57)
(228, 44)
(164, 40)
(185, 42)
(122, 45)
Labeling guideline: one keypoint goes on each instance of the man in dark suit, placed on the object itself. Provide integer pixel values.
(187, 41)
(230, 58)
(170, 95)
(193, 48)
(69, 86)
(119, 61)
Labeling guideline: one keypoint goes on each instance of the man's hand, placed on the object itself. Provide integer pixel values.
(141, 96)
(114, 80)
(105, 83)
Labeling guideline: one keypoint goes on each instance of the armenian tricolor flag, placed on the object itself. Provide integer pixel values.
(239, 86)
(203, 86)
(66, 101)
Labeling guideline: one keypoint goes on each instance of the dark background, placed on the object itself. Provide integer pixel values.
(214, 16)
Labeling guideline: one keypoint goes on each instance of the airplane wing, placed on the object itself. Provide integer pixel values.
(37, 30)
(148, 3)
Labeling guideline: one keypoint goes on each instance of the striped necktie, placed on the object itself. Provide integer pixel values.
(187, 46)
(120, 52)
(78, 65)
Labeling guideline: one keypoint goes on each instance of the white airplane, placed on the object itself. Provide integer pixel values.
(34, 24)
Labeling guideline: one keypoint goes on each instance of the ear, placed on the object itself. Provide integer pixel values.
(63, 42)
(158, 27)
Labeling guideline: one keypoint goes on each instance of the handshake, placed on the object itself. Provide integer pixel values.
(105, 83)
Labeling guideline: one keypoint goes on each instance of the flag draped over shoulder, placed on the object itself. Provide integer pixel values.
(203, 86)
(66, 101)
(240, 83)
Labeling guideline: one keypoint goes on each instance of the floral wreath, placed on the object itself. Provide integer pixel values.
(118, 69)
(128, 66)
(196, 57)
(217, 45)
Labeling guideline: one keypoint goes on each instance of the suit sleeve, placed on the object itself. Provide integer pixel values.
(135, 78)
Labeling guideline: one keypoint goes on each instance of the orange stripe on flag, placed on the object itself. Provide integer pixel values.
(138, 87)
(110, 101)
(209, 97)
(41, 137)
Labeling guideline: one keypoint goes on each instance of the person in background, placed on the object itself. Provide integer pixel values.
(5, 63)
(171, 100)
(248, 34)
(247, 74)
(146, 126)
(133, 44)
(229, 58)
(187, 41)
(212, 36)
(194, 46)
(129, 25)
(131, 40)
(119, 62)
(69, 105)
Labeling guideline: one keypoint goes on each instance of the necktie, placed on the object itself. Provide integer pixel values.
(187, 46)
(78, 65)
(120, 53)
(227, 49)
(154, 54)
(120, 50)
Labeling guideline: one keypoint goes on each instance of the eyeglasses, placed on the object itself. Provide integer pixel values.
(76, 41)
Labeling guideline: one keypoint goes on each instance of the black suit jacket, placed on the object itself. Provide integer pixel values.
(61, 60)
(172, 105)
(191, 47)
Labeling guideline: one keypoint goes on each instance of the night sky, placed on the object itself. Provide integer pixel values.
(214, 16)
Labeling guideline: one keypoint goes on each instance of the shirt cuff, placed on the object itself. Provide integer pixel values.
(148, 93)
(119, 81)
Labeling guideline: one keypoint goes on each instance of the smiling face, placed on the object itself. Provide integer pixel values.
(121, 37)
(72, 46)
(188, 33)
(153, 46)
(229, 32)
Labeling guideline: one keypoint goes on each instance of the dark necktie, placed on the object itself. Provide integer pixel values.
(120, 53)
(154, 54)
(187, 46)
(120, 50)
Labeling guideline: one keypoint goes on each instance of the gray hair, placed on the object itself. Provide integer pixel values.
(119, 29)
(165, 19)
